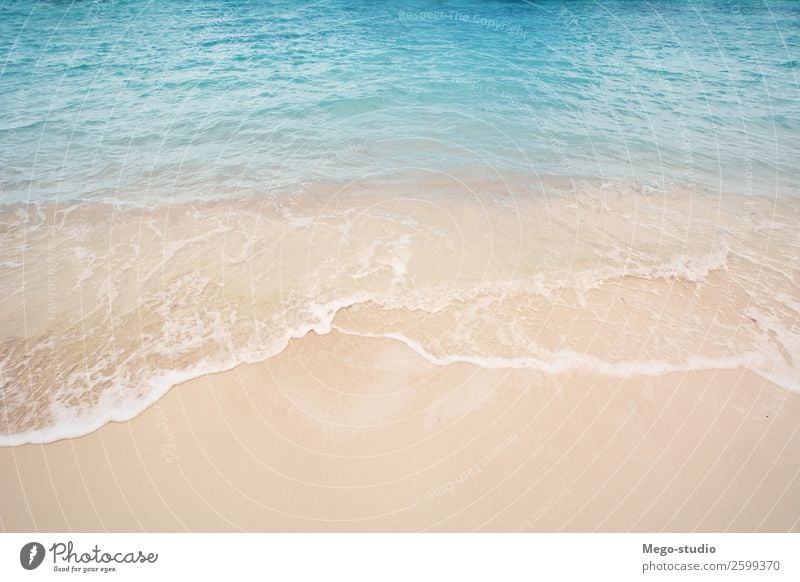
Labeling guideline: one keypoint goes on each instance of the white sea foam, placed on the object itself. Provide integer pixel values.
(565, 361)
(607, 288)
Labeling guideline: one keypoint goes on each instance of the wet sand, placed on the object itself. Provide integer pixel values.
(345, 433)
(108, 308)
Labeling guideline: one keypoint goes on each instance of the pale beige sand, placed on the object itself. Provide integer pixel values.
(340, 433)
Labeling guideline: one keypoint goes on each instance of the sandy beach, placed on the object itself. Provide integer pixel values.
(423, 267)
(341, 433)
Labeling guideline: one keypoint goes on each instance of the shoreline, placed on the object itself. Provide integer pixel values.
(604, 279)
(639, 371)
(546, 185)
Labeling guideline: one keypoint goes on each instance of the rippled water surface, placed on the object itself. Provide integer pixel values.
(138, 99)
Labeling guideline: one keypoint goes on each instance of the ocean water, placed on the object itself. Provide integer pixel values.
(186, 186)
(137, 99)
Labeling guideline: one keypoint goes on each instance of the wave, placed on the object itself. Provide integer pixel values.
(110, 307)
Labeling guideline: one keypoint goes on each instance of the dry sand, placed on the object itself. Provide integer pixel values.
(340, 433)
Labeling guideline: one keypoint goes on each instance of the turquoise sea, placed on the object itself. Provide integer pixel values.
(137, 99)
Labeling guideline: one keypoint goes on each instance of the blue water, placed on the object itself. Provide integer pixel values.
(146, 100)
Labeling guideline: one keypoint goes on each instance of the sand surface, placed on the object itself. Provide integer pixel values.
(344, 433)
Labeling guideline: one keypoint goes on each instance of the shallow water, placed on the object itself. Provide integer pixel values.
(109, 307)
(560, 186)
